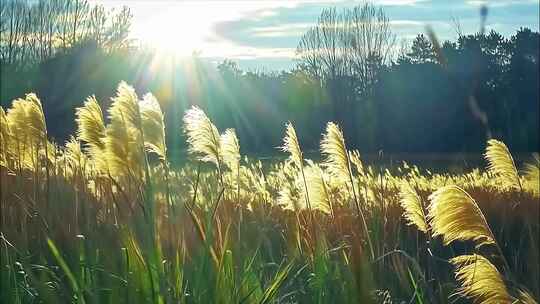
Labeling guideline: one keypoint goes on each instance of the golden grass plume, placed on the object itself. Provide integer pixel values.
(526, 298)
(126, 103)
(532, 175)
(354, 156)
(335, 151)
(480, 280)
(230, 149)
(26, 121)
(501, 164)
(413, 208)
(202, 136)
(123, 139)
(74, 156)
(90, 125)
(35, 117)
(455, 216)
(318, 189)
(292, 146)
(153, 125)
(26, 117)
(5, 136)
(289, 197)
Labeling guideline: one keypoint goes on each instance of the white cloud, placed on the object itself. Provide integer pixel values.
(283, 30)
(398, 2)
(406, 23)
(229, 49)
(499, 3)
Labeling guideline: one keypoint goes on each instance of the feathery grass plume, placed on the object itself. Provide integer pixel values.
(74, 156)
(480, 280)
(454, 215)
(286, 182)
(4, 127)
(412, 205)
(501, 164)
(334, 149)
(202, 136)
(153, 125)
(354, 156)
(257, 182)
(20, 145)
(318, 189)
(292, 146)
(289, 197)
(26, 121)
(230, 149)
(526, 298)
(90, 125)
(17, 119)
(117, 145)
(5, 137)
(122, 147)
(74, 152)
(532, 174)
(35, 118)
(123, 139)
(338, 164)
(3, 119)
(126, 102)
(38, 127)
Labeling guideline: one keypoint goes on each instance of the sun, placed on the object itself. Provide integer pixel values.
(179, 28)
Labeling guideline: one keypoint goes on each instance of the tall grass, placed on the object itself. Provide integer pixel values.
(104, 219)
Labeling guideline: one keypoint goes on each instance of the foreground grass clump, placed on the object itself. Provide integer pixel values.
(104, 219)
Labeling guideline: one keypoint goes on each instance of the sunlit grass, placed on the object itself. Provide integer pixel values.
(104, 218)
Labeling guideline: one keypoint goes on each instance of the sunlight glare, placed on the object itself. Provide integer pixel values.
(182, 29)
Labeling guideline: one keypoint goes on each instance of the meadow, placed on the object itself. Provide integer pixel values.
(105, 218)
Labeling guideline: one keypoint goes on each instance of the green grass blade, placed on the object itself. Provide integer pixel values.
(272, 290)
(71, 278)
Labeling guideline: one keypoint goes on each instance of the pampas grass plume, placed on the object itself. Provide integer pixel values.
(90, 125)
(230, 148)
(412, 205)
(202, 136)
(318, 189)
(153, 126)
(292, 146)
(501, 164)
(480, 280)
(334, 149)
(455, 216)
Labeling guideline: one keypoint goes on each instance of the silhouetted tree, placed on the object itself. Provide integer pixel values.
(421, 51)
(344, 52)
(33, 31)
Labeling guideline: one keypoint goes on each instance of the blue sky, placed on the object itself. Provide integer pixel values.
(264, 34)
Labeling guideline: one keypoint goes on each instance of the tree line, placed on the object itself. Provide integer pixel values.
(430, 97)
(34, 31)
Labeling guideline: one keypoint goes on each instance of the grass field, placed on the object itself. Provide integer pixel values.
(105, 218)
